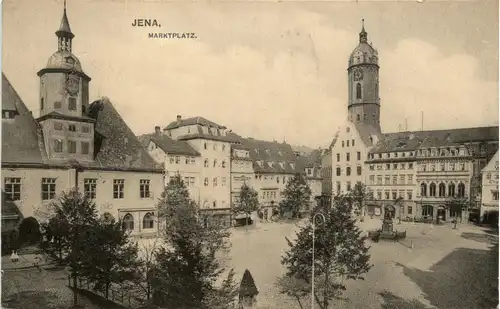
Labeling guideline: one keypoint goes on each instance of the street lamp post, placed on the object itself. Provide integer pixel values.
(313, 241)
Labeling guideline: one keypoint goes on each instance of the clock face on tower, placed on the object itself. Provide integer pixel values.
(358, 74)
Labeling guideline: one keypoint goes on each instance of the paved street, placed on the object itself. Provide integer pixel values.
(446, 268)
(437, 272)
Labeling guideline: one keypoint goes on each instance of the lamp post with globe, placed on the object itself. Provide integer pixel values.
(314, 222)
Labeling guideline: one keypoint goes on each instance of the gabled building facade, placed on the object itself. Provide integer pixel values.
(74, 144)
(489, 192)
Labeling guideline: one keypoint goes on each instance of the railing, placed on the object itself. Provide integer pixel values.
(121, 295)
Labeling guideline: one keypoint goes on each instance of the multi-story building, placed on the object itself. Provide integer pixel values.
(415, 171)
(74, 144)
(489, 192)
(227, 161)
(177, 158)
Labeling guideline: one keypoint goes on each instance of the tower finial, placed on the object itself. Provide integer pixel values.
(65, 5)
(363, 36)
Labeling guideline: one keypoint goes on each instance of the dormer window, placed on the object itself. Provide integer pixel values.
(58, 145)
(72, 128)
(85, 129)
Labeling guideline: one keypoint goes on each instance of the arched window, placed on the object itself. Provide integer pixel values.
(451, 189)
(128, 222)
(206, 162)
(358, 91)
(147, 221)
(442, 190)
(358, 170)
(423, 189)
(339, 172)
(427, 211)
(461, 190)
(432, 189)
(358, 117)
(348, 171)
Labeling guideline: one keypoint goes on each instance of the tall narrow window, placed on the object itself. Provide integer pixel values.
(71, 147)
(442, 190)
(12, 188)
(118, 188)
(461, 190)
(358, 91)
(358, 118)
(58, 145)
(432, 189)
(451, 189)
(144, 188)
(423, 189)
(48, 188)
(41, 103)
(85, 147)
(90, 188)
(206, 162)
(348, 171)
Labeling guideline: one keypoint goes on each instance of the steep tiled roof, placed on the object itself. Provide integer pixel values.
(221, 138)
(271, 155)
(193, 121)
(19, 135)
(406, 141)
(366, 131)
(115, 145)
(169, 145)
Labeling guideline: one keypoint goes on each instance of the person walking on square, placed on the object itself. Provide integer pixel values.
(36, 262)
(14, 258)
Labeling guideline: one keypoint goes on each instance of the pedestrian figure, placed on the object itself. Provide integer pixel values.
(36, 263)
(14, 257)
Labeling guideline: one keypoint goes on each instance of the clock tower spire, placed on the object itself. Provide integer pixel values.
(363, 82)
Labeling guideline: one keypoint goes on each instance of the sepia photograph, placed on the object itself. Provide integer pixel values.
(264, 154)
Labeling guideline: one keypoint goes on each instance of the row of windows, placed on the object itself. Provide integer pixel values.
(58, 146)
(442, 167)
(283, 179)
(348, 155)
(388, 195)
(395, 166)
(214, 146)
(442, 192)
(269, 195)
(348, 171)
(223, 163)
(84, 128)
(215, 181)
(387, 180)
(12, 187)
(188, 181)
(430, 152)
(58, 104)
(389, 155)
(488, 176)
(346, 144)
(177, 160)
(147, 222)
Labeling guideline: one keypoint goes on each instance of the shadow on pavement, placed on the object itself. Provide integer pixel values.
(97, 300)
(33, 300)
(465, 278)
(392, 301)
(480, 237)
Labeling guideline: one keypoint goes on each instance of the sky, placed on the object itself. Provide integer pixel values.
(269, 70)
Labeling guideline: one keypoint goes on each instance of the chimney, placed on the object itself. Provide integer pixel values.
(179, 118)
(157, 130)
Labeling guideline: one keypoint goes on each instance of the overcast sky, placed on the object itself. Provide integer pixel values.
(270, 70)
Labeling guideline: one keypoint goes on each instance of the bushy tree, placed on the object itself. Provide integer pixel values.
(247, 203)
(297, 196)
(340, 253)
(456, 204)
(187, 268)
(360, 194)
(110, 256)
(73, 216)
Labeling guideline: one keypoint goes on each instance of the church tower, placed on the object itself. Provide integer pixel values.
(64, 99)
(363, 71)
